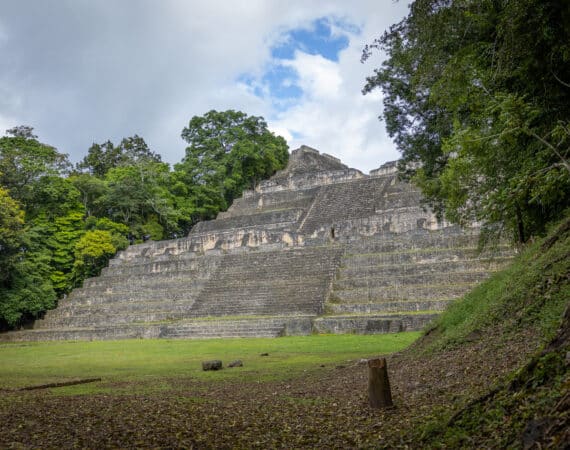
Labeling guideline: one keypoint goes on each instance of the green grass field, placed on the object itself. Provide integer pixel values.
(149, 363)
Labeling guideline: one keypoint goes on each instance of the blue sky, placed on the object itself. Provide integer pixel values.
(319, 38)
(98, 70)
(278, 82)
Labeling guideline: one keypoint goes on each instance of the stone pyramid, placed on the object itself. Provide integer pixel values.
(318, 248)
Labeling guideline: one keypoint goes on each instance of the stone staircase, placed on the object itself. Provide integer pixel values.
(291, 281)
(401, 282)
(344, 201)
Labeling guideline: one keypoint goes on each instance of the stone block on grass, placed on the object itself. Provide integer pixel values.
(214, 364)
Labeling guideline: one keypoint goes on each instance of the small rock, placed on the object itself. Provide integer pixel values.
(264, 354)
(236, 363)
(214, 364)
(322, 365)
(363, 362)
(413, 385)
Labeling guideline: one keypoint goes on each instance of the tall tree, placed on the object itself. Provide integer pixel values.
(24, 161)
(138, 195)
(103, 157)
(11, 227)
(25, 286)
(228, 152)
(477, 98)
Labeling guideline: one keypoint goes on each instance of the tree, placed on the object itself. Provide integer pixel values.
(138, 195)
(27, 291)
(93, 251)
(477, 98)
(11, 226)
(92, 190)
(228, 152)
(24, 161)
(103, 157)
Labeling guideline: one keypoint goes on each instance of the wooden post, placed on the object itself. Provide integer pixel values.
(379, 394)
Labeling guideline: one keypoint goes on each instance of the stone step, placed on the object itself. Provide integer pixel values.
(411, 268)
(272, 200)
(128, 289)
(415, 240)
(275, 219)
(387, 307)
(266, 205)
(410, 292)
(206, 263)
(293, 281)
(147, 279)
(432, 278)
(110, 318)
(82, 334)
(343, 201)
(371, 324)
(398, 198)
(98, 312)
(94, 309)
(225, 327)
(116, 298)
(427, 256)
(260, 306)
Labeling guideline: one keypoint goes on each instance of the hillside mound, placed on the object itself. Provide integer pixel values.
(506, 348)
(317, 248)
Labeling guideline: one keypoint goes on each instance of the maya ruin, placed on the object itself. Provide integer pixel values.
(318, 248)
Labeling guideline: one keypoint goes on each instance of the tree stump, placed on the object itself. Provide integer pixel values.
(379, 394)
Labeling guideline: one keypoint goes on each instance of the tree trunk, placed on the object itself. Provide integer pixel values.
(379, 394)
(520, 225)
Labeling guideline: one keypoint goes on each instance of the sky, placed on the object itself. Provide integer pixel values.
(85, 71)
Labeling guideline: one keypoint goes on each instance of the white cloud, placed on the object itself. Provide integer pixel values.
(318, 76)
(333, 116)
(92, 71)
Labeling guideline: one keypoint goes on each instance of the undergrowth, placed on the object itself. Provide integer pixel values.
(529, 408)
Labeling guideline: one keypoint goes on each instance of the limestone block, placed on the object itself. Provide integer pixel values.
(214, 364)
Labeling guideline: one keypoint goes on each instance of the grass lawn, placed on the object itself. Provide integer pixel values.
(148, 363)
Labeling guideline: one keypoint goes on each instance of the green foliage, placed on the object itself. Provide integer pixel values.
(228, 152)
(52, 197)
(58, 237)
(476, 97)
(11, 225)
(27, 291)
(92, 252)
(24, 162)
(139, 194)
(92, 192)
(103, 157)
